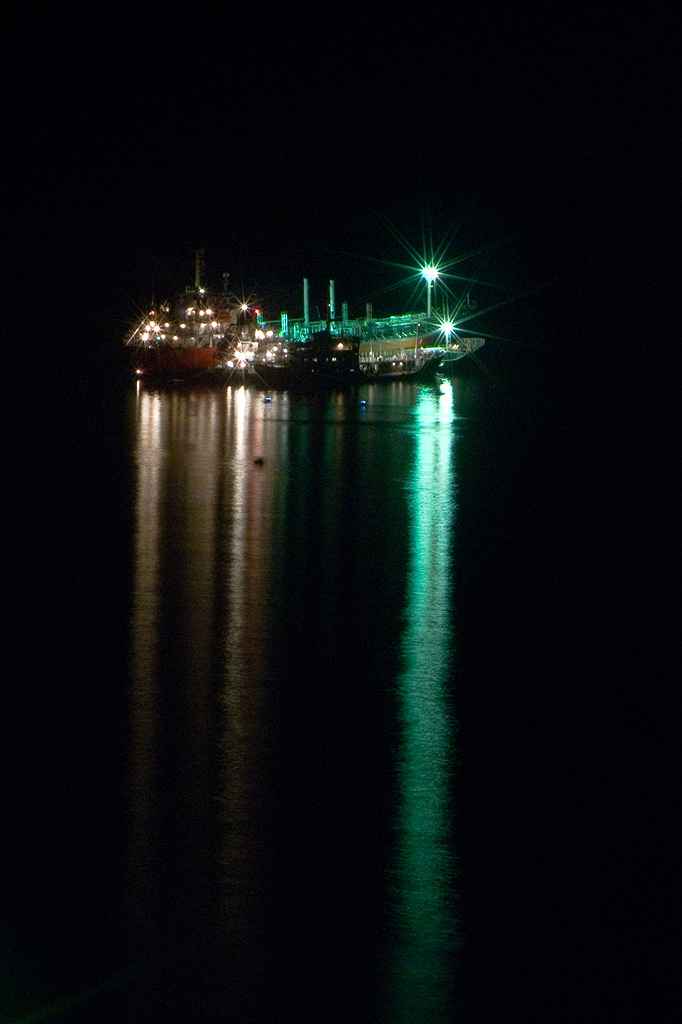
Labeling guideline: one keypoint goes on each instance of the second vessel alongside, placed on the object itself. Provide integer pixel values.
(324, 359)
(338, 348)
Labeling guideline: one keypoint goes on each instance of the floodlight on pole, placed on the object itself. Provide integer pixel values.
(430, 273)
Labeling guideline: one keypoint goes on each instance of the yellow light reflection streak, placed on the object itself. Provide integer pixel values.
(245, 495)
(149, 457)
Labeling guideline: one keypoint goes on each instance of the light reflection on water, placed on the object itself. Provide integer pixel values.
(215, 534)
(425, 938)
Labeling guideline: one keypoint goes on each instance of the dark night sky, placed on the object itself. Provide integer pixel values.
(303, 142)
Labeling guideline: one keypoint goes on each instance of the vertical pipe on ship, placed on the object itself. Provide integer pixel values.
(332, 301)
(306, 303)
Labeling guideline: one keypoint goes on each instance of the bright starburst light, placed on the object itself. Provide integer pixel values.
(443, 281)
(436, 275)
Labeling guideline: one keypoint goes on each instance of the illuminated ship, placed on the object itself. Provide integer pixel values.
(194, 336)
(214, 334)
(411, 346)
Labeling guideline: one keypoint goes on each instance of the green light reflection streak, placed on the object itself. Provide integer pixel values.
(424, 867)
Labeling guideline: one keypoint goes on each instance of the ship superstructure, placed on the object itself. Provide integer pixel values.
(194, 334)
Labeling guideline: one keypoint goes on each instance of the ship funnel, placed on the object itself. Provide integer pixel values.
(332, 301)
(306, 302)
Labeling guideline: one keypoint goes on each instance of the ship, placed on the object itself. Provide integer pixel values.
(192, 336)
(339, 349)
(214, 335)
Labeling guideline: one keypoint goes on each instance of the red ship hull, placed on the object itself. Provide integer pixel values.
(173, 362)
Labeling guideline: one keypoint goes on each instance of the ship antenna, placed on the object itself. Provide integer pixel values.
(197, 269)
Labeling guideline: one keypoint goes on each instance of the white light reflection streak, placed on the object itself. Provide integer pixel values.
(145, 632)
(422, 959)
(243, 695)
(239, 521)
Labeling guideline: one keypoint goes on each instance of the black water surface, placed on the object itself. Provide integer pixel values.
(337, 736)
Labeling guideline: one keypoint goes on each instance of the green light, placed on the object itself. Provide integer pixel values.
(425, 934)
